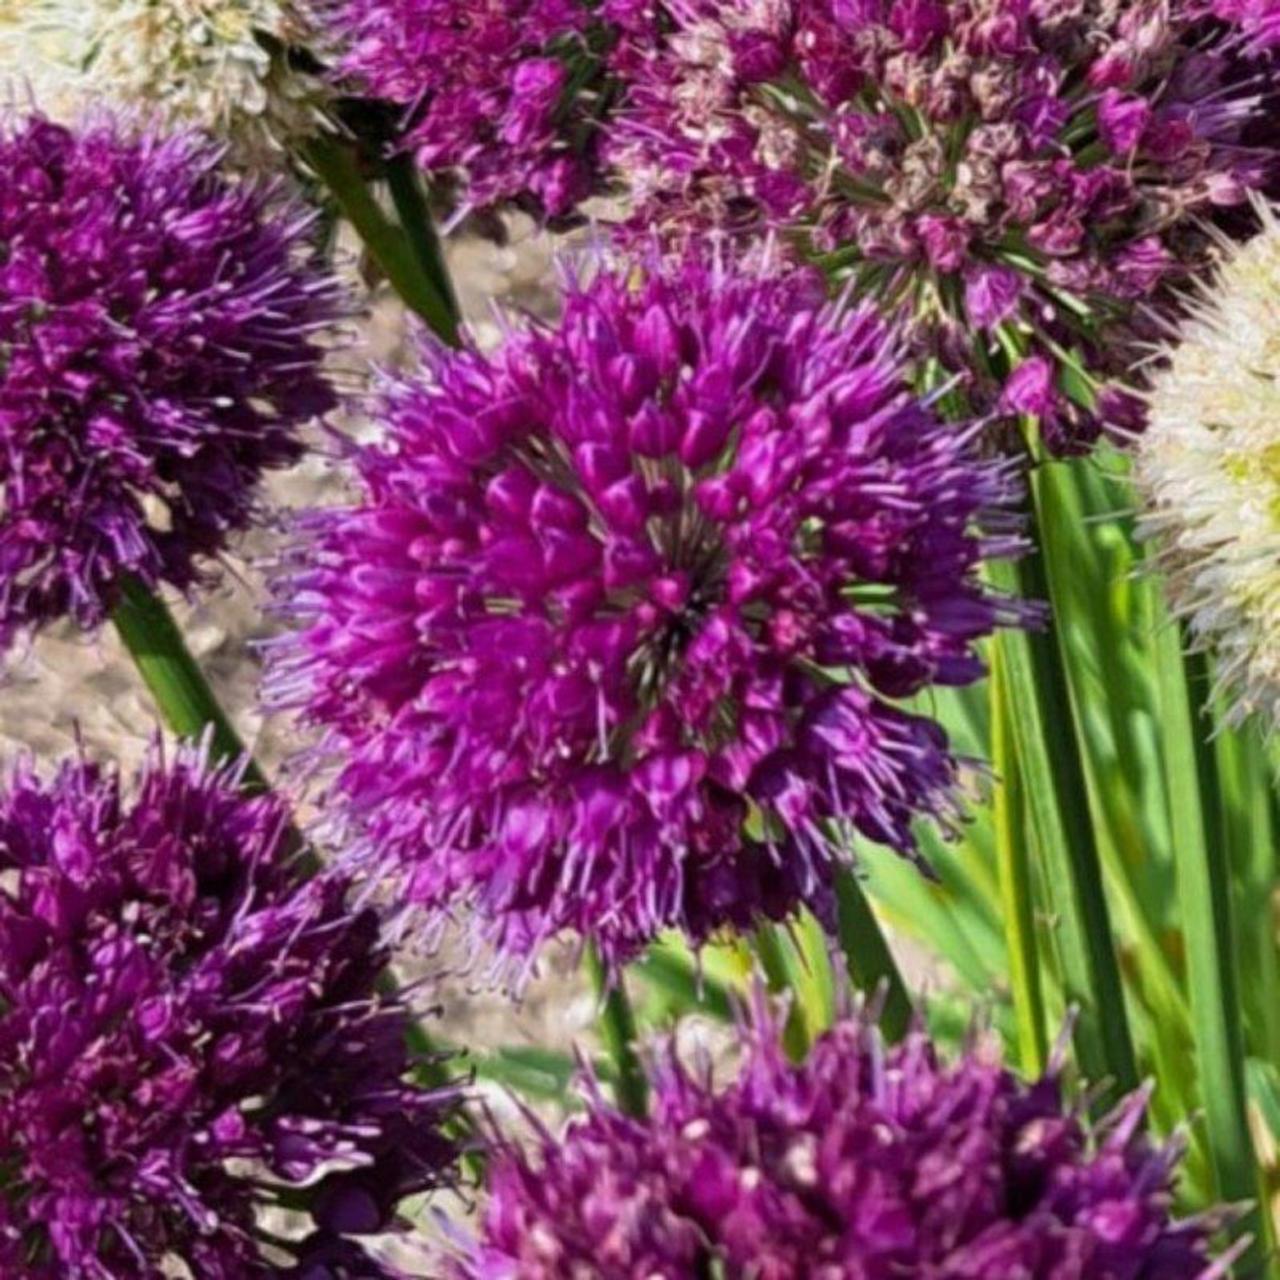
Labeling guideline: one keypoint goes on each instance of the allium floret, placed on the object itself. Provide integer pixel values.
(1209, 466)
(615, 635)
(1026, 175)
(499, 97)
(190, 1037)
(864, 1161)
(162, 339)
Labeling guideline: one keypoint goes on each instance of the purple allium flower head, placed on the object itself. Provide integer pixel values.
(864, 1163)
(613, 637)
(157, 353)
(498, 96)
(978, 165)
(183, 1026)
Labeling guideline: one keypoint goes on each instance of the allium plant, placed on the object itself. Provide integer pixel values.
(863, 1162)
(498, 97)
(1209, 464)
(161, 343)
(189, 1037)
(245, 72)
(614, 634)
(1018, 178)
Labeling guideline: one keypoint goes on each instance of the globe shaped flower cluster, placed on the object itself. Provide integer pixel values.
(1209, 464)
(616, 633)
(245, 72)
(189, 1036)
(1008, 175)
(863, 1162)
(162, 339)
(499, 97)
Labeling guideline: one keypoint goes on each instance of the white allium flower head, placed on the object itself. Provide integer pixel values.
(215, 64)
(1209, 468)
(42, 47)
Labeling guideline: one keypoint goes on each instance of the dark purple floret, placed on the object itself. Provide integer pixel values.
(190, 1036)
(616, 633)
(499, 97)
(1014, 177)
(864, 1163)
(159, 348)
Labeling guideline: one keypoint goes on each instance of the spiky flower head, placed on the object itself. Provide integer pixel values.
(615, 634)
(863, 1162)
(245, 72)
(1020, 178)
(1209, 466)
(498, 97)
(160, 346)
(189, 1036)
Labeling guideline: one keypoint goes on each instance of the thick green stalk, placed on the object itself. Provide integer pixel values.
(337, 162)
(867, 956)
(175, 680)
(1204, 894)
(1039, 712)
(1017, 905)
(618, 1031)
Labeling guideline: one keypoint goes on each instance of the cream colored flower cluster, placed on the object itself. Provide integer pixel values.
(1210, 467)
(220, 65)
(42, 47)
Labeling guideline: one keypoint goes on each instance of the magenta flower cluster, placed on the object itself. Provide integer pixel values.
(615, 635)
(863, 1162)
(159, 348)
(1257, 20)
(498, 97)
(189, 1036)
(985, 168)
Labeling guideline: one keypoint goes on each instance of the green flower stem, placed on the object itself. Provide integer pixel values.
(1045, 739)
(400, 254)
(1204, 895)
(618, 1031)
(1017, 905)
(174, 678)
(867, 956)
(778, 961)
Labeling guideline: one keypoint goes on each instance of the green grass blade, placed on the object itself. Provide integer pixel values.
(1015, 888)
(867, 956)
(1249, 834)
(339, 167)
(782, 973)
(617, 1024)
(1039, 710)
(1204, 892)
